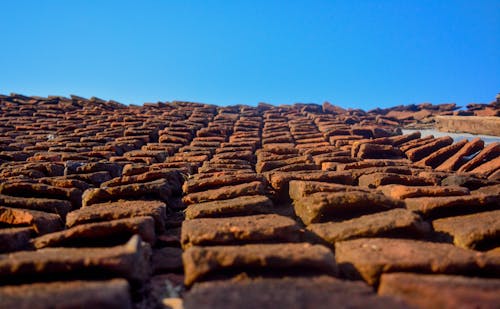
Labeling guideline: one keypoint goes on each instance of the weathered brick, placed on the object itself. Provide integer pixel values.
(68, 294)
(476, 231)
(14, 239)
(118, 210)
(452, 205)
(369, 258)
(242, 205)
(338, 206)
(395, 223)
(196, 185)
(59, 207)
(228, 192)
(441, 291)
(100, 233)
(239, 230)
(200, 262)
(403, 192)
(128, 261)
(41, 222)
(289, 292)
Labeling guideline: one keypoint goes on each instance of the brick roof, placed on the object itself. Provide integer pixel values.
(201, 206)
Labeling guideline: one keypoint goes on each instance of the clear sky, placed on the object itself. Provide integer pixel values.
(351, 53)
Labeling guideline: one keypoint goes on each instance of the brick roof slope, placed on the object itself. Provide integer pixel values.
(201, 206)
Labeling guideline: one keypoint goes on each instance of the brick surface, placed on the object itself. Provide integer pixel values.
(229, 192)
(404, 192)
(315, 292)
(100, 233)
(14, 239)
(476, 231)
(336, 206)
(368, 258)
(199, 262)
(118, 210)
(452, 205)
(243, 205)
(392, 223)
(255, 201)
(127, 261)
(239, 230)
(41, 222)
(67, 294)
(441, 291)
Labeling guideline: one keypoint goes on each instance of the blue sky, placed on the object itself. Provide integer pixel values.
(352, 53)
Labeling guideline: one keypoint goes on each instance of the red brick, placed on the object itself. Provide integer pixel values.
(369, 258)
(289, 292)
(441, 291)
(337, 206)
(200, 262)
(68, 294)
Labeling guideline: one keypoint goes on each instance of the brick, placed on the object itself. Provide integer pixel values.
(129, 261)
(297, 167)
(228, 192)
(172, 176)
(26, 189)
(244, 155)
(14, 239)
(280, 148)
(452, 205)
(302, 292)
(379, 179)
(333, 157)
(239, 230)
(488, 167)
(402, 192)
(404, 171)
(476, 231)
(280, 180)
(441, 291)
(312, 145)
(208, 167)
(495, 176)
(337, 206)
(59, 207)
(396, 222)
(369, 258)
(63, 182)
(94, 179)
(119, 210)
(324, 150)
(200, 262)
(115, 170)
(488, 190)
(242, 205)
(100, 233)
(376, 151)
(300, 188)
(466, 180)
(197, 185)
(41, 222)
(67, 294)
(159, 189)
(268, 165)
